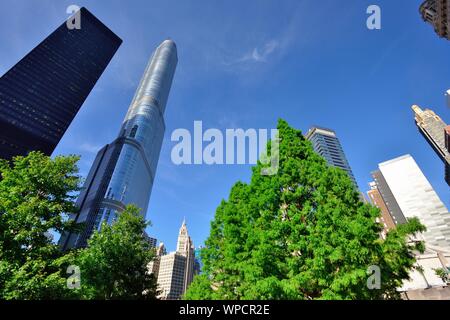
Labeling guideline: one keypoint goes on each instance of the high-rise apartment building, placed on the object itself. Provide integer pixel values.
(42, 93)
(415, 197)
(432, 127)
(177, 269)
(326, 143)
(437, 13)
(124, 171)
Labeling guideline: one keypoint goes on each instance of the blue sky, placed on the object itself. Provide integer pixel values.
(244, 64)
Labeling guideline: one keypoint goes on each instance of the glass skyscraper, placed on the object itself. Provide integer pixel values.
(42, 93)
(124, 170)
(326, 144)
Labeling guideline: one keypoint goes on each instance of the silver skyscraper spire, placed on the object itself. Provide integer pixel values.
(123, 171)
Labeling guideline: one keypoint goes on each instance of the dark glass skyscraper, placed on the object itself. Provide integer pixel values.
(124, 170)
(42, 93)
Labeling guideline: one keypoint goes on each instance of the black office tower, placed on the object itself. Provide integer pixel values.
(42, 93)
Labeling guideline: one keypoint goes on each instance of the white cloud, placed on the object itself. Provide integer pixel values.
(268, 49)
(258, 54)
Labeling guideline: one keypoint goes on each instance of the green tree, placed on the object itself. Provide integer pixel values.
(302, 233)
(115, 263)
(36, 196)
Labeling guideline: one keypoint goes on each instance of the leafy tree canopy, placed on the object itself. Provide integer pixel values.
(36, 196)
(302, 233)
(115, 263)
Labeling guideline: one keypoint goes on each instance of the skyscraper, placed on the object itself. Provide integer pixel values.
(186, 248)
(124, 170)
(176, 269)
(432, 127)
(437, 13)
(405, 191)
(42, 93)
(326, 143)
(416, 198)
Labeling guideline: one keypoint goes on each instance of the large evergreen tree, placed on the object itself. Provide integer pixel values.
(302, 233)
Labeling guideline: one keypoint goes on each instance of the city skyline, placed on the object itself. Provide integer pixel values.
(242, 99)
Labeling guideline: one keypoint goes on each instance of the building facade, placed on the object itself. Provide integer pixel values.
(171, 276)
(153, 266)
(385, 219)
(401, 191)
(416, 198)
(42, 93)
(421, 282)
(437, 13)
(177, 269)
(433, 129)
(326, 143)
(151, 241)
(387, 198)
(124, 171)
